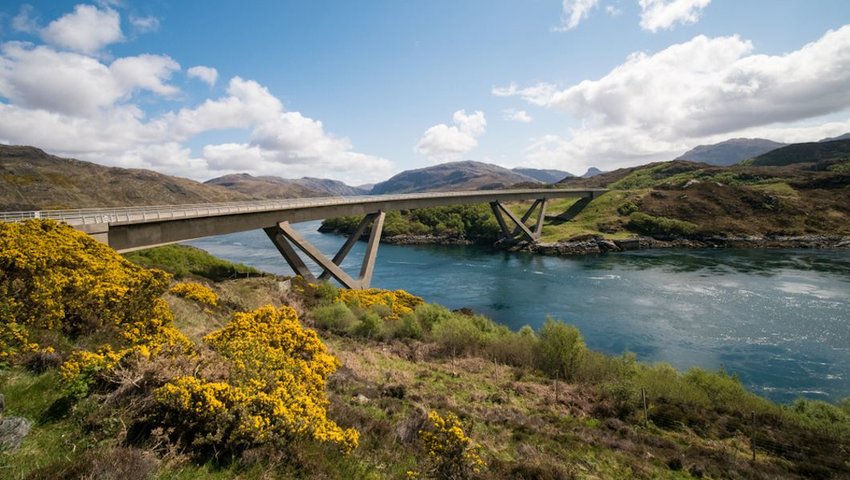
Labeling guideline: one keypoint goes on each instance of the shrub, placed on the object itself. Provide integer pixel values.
(370, 326)
(399, 302)
(430, 314)
(627, 208)
(515, 349)
(560, 350)
(660, 226)
(458, 335)
(58, 283)
(451, 453)
(408, 327)
(196, 292)
(274, 394)
(336, 317)
(327, 292)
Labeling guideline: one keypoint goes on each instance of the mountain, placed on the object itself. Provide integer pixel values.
(731, 151)
(846, 136)
(545, 176)
(466, 175)
(31, 179)
(592, 172)
(276, 187)
(812, 152)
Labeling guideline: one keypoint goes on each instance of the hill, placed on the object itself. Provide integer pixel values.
(592, 172)
(812, 152)
(731, 151)
(543, 175)
(31, 179)
(277, 187)
(846, 136)
(466, 175)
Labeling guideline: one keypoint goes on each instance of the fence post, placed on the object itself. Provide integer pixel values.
(645, 412)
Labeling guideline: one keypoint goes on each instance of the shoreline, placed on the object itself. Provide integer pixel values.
(593, 244)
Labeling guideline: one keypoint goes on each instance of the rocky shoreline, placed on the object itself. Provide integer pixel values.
(592, 244)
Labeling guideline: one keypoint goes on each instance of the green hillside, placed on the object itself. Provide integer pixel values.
(831, 153)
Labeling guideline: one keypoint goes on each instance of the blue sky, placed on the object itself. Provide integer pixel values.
(358, 91)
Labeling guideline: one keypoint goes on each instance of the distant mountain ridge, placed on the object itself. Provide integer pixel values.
(811, 152)
(543, 175)
(465, 175)
(592, 172)
(277, 187)
(730, 151)
(31, 179)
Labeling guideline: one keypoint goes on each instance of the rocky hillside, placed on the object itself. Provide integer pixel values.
(31, 179)
(543, 175)
(466, 175)
(277, 187)
(731, 151)
(814, 152)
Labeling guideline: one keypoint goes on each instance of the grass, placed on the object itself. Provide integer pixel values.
(184, 260)
(598, 215)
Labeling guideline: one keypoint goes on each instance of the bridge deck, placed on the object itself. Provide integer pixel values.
(130, 228)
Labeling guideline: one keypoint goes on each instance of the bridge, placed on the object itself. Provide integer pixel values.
(132, 228)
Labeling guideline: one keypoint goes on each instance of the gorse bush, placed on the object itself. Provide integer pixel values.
(451, 453)
(274, 393)
(195, 291)
(57, 282)
(399, 302)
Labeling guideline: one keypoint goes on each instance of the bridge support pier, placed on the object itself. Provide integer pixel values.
(285, 238)
(521, 229)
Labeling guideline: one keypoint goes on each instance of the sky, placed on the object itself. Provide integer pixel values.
(359, 91)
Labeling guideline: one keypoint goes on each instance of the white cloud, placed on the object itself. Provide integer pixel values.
(574, 11)
(207, 75)
(87, 30)
(655, 106)
(144, 24)
(613, 10)
(664, 14)
(25, 21)
(442, 142)
(515, 115)
(76, 84)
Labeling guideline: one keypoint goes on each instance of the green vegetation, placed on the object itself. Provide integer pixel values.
(387, 386)
(660, 226)
(184, 260)
(466, 222)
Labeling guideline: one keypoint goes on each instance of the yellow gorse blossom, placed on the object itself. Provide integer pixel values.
(196, 292)
(400, 302)
(276, 390)
(451, 452)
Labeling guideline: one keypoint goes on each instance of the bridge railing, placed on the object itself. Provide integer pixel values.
(85, 216)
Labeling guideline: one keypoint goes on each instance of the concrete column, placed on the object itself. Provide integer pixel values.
(289, 254)
(371, 250)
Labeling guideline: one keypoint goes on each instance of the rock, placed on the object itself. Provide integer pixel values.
(690, 183)
(607, 246)
(361, 399)
(13, 430)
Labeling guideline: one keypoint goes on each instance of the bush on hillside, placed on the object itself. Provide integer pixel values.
(660, 226)
(273, 394)
(561, 350)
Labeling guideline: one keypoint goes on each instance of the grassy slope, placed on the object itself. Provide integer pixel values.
(527, 425)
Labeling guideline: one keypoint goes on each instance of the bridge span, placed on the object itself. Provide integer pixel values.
(132, 228)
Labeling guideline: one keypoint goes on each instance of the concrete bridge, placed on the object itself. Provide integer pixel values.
(133, 228)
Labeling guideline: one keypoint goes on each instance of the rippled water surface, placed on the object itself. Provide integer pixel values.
(779, 319)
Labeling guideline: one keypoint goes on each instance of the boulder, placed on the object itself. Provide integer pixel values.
(13, 430)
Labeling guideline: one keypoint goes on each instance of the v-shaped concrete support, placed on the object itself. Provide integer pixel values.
(284, 237)
(499, 211)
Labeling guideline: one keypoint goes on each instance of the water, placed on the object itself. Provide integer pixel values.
(779, 319)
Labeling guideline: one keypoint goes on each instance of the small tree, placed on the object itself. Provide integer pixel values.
(560, 350)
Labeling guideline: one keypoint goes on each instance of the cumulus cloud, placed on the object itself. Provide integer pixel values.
(207, 75)
(75, 104)
(515, 115)
(144, 24)
(443, 142)
(87, 29)
(574, 11)
(664, 14)
(653, 105)
(72, 83)
(25, 21)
